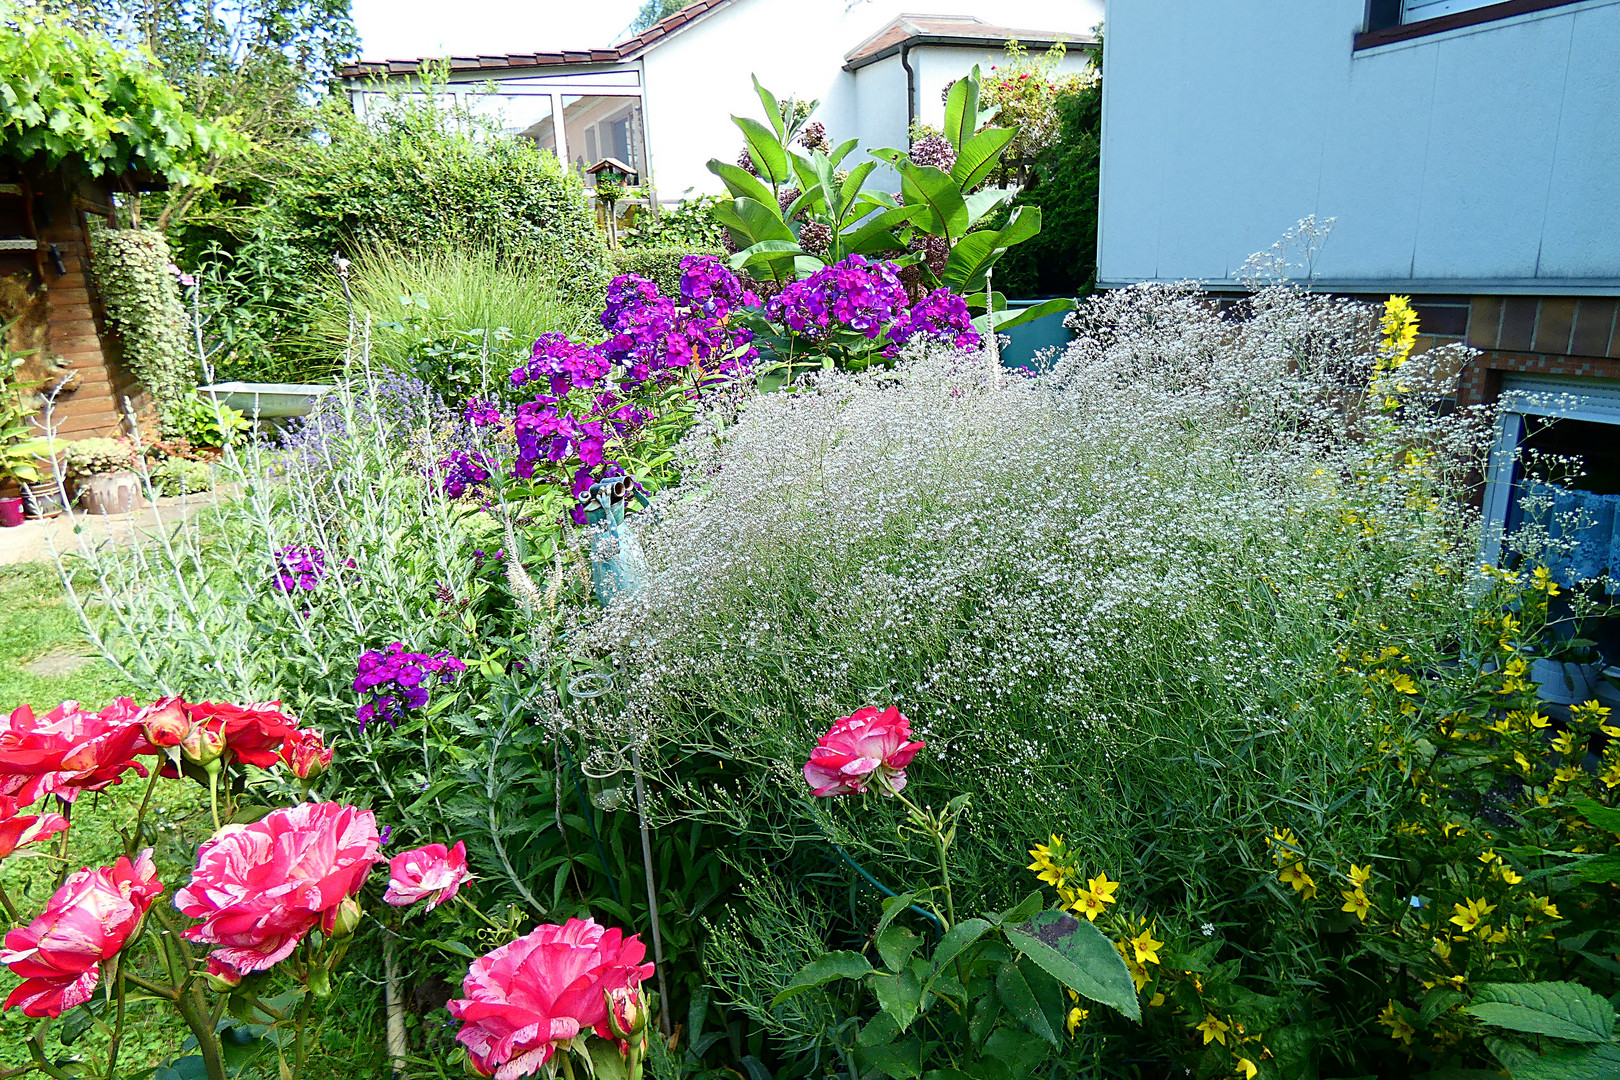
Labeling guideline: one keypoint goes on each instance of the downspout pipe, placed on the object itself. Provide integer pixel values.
(911, 91)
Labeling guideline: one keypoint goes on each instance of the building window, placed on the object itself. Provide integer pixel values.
(1552, 495)
(1401, 20)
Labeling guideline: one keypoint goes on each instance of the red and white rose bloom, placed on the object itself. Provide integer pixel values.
(430, 872)
(536, 995)
(68, 751)
(17, 829)
(260, 888)
(59, 955)
(866, 749)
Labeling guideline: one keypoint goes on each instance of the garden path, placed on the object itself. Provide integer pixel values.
(38, 540)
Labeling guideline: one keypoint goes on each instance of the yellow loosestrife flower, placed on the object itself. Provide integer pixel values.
(1102, 888)
(1360, 875)
(1075, 1016)
(1146, 948)
(1247, 1069)
(1295, 875)
(1356, 902)
(1399, 1028)
(1470, 915)
(1214, 1029)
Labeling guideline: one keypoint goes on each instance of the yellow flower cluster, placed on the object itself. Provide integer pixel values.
(1290, 859)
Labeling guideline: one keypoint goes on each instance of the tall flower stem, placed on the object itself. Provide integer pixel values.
(935, 826)
(134, 841)
(194, 1011)
(213, 796)
(11, 909)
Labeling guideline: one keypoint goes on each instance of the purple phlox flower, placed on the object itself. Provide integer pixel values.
(299, 568)
(854, 293)
(387, 834)
(185, 279)
(941, 314)
(482, 413)
(465, 471)
(393, 678)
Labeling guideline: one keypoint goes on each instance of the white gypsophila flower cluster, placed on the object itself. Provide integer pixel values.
(1170, 529)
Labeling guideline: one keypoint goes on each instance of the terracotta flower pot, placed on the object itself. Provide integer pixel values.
(111, 493)
(11, 512)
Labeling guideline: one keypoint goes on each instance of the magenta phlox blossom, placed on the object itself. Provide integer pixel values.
(940, 314)
(396, 680)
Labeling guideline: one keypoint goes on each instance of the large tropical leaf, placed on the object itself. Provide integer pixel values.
(770, 156)
(962, 109)
(979, 155)
(1009, 318)
(773, 110)
(740, 182)
(983, 201)
(926, 186)
(755, 220)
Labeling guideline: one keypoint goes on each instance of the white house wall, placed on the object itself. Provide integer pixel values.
(697, 79)
(1478, 160)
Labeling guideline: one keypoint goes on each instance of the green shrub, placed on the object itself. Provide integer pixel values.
(413, 177)
(88, 457)
(690, 223)
(457, 320)
(181, 476)
(142, 298)
(1062, 259)
(661, 264)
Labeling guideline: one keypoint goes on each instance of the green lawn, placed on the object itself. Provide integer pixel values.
(35, 622)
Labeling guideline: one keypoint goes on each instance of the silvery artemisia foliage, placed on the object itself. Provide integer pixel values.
(1151, 534)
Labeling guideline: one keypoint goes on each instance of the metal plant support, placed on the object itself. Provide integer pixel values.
(619, 568)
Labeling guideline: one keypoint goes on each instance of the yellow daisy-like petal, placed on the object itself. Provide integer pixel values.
(1214, 1029)
(1360, 875)
(1102, 888)
(1146, 947)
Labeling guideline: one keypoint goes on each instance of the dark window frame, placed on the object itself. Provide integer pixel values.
(1385, 28)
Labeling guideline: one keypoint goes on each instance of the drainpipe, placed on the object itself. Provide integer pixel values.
(911, 91)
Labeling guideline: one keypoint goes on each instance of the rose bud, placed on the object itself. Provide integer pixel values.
(627, 1012)
(347, 919)
(306, 754)
(203, 746)
(165, 722)
(222, 977)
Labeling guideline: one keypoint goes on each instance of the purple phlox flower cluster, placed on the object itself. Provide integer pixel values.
(396, 681)
(654, 337)
(481, 412)
(466, 471)
(547, 431)
(299, 568)
(563, 365)
(185, 280)
(940, 314)
(864, 296)
(709, 287)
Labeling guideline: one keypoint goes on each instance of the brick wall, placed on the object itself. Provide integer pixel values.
(1547, 335)
(91, 403)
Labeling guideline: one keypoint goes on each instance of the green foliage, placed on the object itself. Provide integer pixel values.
(1062, 260)
(87, 457)
(950, 206)
(413, 177)
(691, 224)
(143, 303)
(459, 320)
(20, 448)
(661, 264)
(69, 96)
(202, 421)
(181, 476)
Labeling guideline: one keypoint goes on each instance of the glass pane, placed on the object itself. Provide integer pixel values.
(603, 126)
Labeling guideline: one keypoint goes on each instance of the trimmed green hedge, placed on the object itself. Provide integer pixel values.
(661, 264)
(413, 178)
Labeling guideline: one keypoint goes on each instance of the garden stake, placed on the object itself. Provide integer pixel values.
(618, 568)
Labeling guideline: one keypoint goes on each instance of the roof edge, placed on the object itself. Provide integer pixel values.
(1044, 39)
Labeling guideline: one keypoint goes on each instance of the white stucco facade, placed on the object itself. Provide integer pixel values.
(696, 81)
(680, 92)
(1484, 159)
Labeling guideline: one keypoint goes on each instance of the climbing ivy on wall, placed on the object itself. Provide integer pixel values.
(142, 299)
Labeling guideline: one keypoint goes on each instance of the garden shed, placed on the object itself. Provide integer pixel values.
(48, 300)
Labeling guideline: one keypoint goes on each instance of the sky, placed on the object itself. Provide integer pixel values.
(402, 29)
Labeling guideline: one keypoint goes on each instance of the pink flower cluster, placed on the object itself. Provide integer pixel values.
(864, 750)
(59, 954)
(533, 997)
